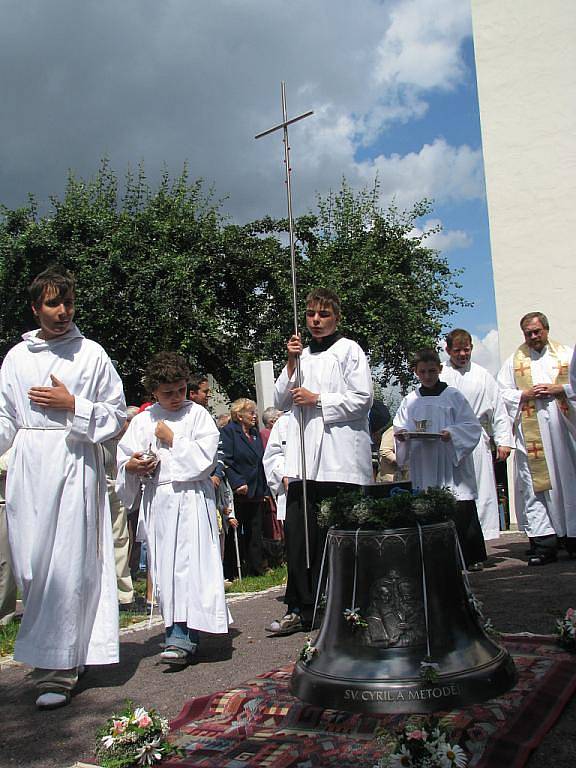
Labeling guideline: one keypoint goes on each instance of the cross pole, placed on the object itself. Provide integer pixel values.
(284, 126)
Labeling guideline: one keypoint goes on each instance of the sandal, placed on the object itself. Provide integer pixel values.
(288, 625)
(176, 657)
(53, 699)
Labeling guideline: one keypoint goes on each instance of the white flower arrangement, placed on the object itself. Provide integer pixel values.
(308, 652)
(566, 630)
(135, 737)
(355, 618)
(422, 743)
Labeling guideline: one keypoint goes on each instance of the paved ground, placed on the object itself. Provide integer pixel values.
(515, 597)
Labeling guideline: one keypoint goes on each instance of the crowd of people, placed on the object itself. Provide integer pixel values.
(83, 477)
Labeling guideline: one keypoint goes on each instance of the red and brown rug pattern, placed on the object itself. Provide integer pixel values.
(262, 724)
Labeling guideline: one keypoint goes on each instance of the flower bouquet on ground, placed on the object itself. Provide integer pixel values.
(423, 742)
(135, 737)
(566, 630)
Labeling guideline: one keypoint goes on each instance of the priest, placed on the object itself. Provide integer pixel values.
(540, 401)
(483, 394)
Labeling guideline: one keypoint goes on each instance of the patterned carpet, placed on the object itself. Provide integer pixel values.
(261, 724)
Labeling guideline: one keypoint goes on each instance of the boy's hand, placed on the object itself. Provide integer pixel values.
(164, 433)
(233, 522)
(294, 348)
(215, 481)
(56, 396)
(242, 490)
(401, 435)
(303, 396)
(445, 436)
(139, 466)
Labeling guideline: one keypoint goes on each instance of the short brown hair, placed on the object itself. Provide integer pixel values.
(426, 355)
(57, 280)
(324, 298)
(165, 368)
(457, 333)
(535, 316)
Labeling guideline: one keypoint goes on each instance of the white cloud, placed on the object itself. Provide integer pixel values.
(421, 48)
(439, 239)
(438, 171)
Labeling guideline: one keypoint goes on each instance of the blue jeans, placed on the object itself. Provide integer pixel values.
(181, 636)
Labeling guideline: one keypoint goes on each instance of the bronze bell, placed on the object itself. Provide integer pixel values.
(402, 631)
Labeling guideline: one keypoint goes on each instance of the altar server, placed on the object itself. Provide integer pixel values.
(59, 396)
(179, 506)
(540, 400)
(335, 400)
(483, 394)
(436, 432)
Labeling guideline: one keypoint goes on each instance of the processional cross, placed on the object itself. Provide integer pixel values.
(284, 126)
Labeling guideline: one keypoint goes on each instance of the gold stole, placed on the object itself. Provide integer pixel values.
(530, 427)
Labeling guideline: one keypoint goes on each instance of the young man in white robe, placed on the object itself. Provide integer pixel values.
(334, 399)
(179, 506)
(541, 403)
(483, 394)
(59, 397)
(436, 432)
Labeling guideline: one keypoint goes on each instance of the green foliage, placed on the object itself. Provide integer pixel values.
(161, 269)
(356, 509)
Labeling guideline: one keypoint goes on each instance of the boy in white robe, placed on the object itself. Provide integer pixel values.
(335, 400)
(59, 396)
(178, 505)
(436, 431)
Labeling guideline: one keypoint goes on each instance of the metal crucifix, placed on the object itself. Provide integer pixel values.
(284, 126)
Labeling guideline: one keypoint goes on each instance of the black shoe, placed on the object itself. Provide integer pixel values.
(542, 559)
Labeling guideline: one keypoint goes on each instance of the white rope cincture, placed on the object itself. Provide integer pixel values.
(319, 582)
(424, 590)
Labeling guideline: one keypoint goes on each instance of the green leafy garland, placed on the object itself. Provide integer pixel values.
(355, 509)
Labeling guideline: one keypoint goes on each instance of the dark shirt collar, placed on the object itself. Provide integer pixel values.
(434, 391)
(321, 345)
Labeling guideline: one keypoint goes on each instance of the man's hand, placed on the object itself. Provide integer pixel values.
(139, 466)
(548, 390)
(445, 436)
(164, 433)
(215, 481)
(56, 396)
(502, 452)
(294, 348)
(233, 522)
(242, 490)
(303, 396)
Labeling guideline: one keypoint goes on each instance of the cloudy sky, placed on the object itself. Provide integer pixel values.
(391, 83)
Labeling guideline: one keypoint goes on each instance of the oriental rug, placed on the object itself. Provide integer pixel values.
(262, 724)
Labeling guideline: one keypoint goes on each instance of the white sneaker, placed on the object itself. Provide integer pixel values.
(52, 700)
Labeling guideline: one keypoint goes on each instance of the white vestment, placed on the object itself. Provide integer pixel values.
(435, 463)
(336, 437)
(179, 510)
(56, 501)
(274, 462)
(553, 511)
(481, 391)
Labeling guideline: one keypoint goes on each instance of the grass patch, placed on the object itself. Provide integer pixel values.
(275, 578)
(127, 618)
(8, 634)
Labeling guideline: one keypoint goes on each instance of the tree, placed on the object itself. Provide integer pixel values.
(162, 269)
